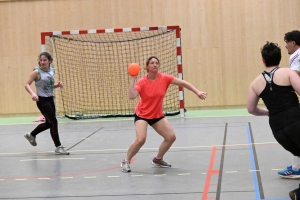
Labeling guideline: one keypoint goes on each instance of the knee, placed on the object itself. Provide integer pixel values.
(171, 138)
(140, 141)
(54, 121)
(295, 151)
(47, 123)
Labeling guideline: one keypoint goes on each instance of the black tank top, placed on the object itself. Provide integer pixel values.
(281, 101)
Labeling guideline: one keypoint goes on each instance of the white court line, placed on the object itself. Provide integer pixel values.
(136, 175)
(160, 175)
(229, 172)
(130, 119)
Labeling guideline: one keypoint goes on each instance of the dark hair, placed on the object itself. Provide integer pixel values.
(47, 55)
(148, 60)
(271, 53)
(293, 36)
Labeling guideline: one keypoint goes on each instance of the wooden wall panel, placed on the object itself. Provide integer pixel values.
(200, 72)
(221, 40)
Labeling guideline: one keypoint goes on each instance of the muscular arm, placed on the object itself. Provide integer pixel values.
(297, 72)
(295, 82)
(252, 103)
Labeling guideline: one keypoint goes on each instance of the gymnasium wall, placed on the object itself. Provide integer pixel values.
(221, 40)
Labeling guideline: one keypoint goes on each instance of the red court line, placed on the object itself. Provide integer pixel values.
(210, 172)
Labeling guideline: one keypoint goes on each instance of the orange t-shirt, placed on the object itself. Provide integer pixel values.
(152, 94)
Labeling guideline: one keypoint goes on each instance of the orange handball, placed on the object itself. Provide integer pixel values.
(134, 69)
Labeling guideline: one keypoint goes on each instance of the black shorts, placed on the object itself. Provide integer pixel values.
(150, 121)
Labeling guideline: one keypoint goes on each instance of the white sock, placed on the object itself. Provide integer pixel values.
(295, 163)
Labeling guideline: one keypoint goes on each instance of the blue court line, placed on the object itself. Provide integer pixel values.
(274, 199)
(256, 189)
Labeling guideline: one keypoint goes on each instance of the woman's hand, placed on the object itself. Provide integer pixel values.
(202, 95)
(59, 85)
(34, 97)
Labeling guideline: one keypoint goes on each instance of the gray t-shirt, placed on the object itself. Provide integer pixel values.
(44, 86)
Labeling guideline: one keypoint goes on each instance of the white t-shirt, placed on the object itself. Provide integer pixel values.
(295, 61)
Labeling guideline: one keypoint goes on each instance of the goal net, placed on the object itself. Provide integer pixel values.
(92, 64)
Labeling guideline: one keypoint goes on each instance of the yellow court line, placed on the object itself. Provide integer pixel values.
(44, 178)
(113, 176)
(184, 174)
(90, 177)
(187, 147)
(21, 179)
(109, 150)
(43, 159)
(254, 170)
(136, 175)
(228, 172)
(66, 177)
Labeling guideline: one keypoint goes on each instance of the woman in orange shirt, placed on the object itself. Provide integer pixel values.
(152, 89)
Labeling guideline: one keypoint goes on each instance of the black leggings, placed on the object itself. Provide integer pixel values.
(289, 138)
(47, 108)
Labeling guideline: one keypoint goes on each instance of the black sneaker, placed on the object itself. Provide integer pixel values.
(295, 194)
(160, 163)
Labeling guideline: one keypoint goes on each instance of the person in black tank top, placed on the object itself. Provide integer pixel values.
(276, 87)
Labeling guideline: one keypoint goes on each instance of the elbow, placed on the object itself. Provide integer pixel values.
(132, 97)
(251, 110)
